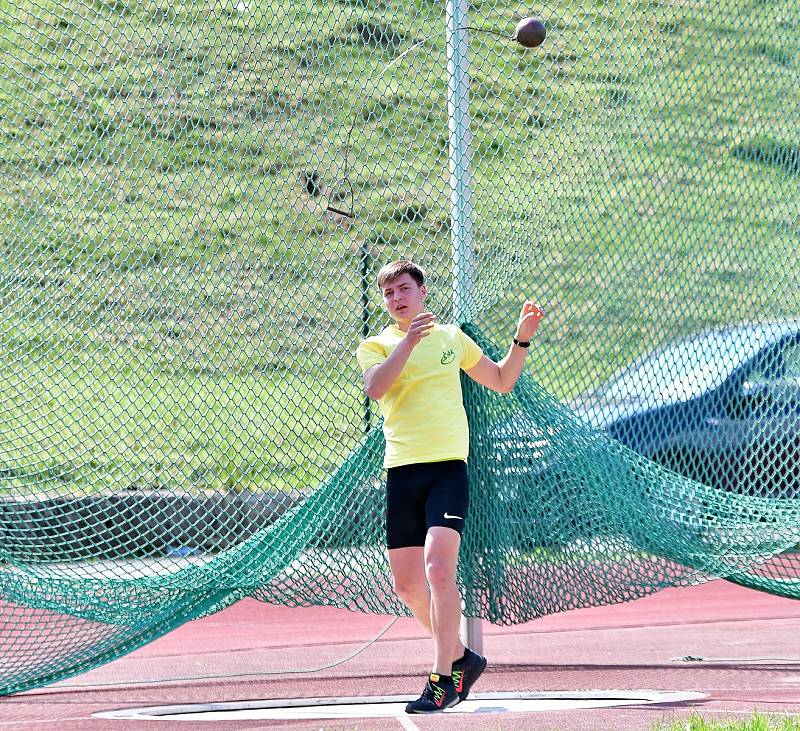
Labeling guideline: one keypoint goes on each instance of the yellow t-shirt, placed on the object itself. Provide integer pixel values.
(423, 411)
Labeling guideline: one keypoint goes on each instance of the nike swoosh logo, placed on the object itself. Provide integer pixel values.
(452, 517)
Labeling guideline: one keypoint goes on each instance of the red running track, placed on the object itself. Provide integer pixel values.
(748, 641)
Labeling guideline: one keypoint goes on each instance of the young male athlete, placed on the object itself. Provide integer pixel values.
(412, 369)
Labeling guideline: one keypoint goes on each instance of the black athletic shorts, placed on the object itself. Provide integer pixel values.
(419, 496)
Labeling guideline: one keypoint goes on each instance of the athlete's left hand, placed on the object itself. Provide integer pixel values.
(529, 320)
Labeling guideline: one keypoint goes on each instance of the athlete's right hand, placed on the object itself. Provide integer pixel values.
(419, 328)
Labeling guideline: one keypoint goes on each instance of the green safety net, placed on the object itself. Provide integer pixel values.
(196, 200)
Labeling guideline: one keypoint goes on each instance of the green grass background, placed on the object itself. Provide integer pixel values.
(179, 312)
(756, 722)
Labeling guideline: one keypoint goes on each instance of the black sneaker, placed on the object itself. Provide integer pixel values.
(466, 671)
(439, 693)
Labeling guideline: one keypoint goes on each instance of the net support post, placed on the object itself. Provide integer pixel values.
(472, 633)
(460, 158)
(461, 215)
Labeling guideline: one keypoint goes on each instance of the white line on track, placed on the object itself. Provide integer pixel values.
(407, 723)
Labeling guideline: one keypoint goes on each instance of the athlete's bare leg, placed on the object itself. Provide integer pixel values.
(441, 561)
(411, 585)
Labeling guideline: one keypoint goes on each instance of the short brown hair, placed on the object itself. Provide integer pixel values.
(393, 270)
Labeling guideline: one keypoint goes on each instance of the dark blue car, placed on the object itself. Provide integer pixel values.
(721, 407)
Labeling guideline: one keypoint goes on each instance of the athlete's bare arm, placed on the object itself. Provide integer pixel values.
(379, 379)
(503, 376)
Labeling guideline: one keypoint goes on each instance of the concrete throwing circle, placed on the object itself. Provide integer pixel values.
(309, 709)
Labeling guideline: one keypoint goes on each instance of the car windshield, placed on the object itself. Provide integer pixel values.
(685, 368)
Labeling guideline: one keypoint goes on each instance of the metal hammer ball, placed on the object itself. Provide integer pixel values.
(530, 32)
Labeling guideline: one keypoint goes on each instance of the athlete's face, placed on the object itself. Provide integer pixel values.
(404, 298)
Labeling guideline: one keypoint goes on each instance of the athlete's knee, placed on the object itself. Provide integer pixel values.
(441, 573)
(410, 590)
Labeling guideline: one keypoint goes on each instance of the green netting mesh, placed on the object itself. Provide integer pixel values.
(196, 198)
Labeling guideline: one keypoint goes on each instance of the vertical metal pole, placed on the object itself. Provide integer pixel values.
(460, 139)
(472, 633)
(460, 149)
(365, 323)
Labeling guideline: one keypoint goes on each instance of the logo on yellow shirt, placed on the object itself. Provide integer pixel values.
(448, 356)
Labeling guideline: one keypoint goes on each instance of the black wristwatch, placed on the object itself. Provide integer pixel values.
(522, 343)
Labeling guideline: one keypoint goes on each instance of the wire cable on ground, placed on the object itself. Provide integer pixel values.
(220, 676)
